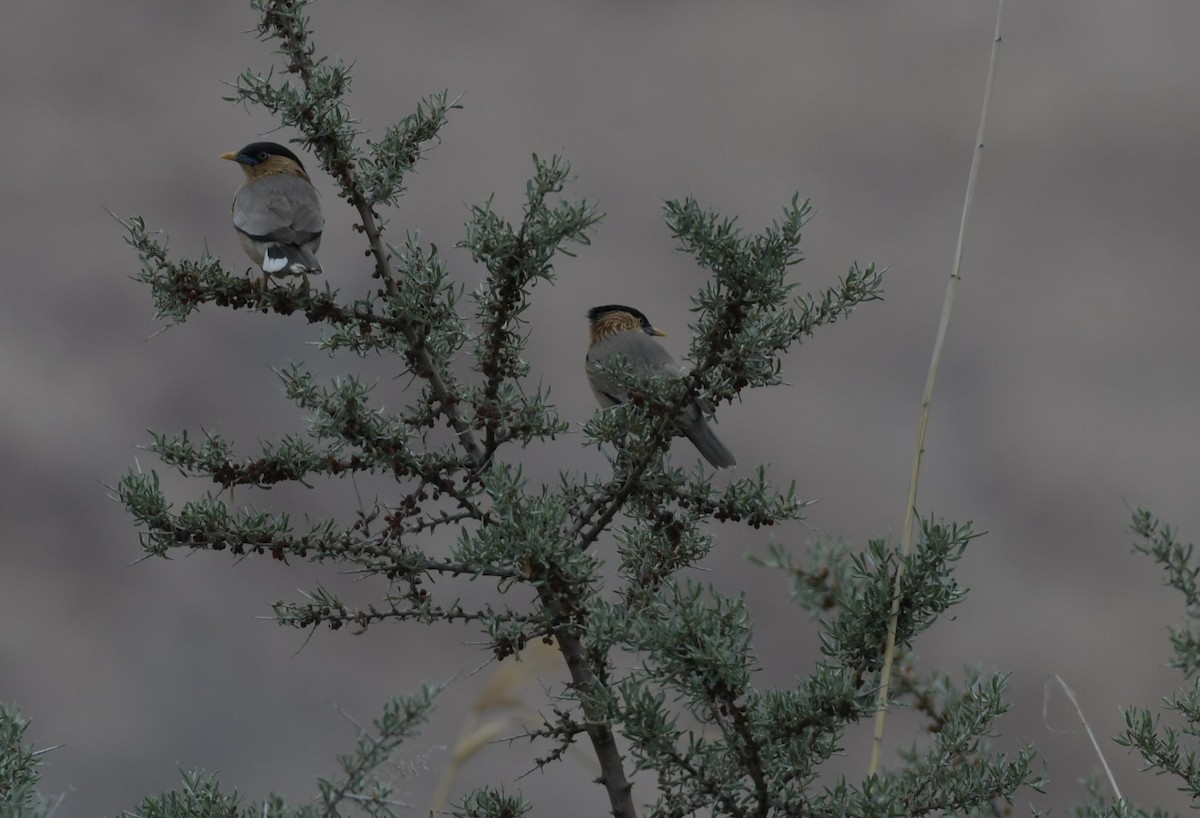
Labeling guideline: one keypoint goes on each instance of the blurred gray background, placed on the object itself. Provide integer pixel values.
(1067, 395)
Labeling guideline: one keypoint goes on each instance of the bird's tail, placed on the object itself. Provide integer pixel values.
(289, 259)
(705, 439)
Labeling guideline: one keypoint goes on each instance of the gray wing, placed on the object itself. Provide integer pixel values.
(697, 430)
(279, 208)
(645, 356)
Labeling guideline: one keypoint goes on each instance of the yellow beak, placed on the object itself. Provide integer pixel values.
(231, 156)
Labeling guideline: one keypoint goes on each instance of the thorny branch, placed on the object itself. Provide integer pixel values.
(281, 20)
(507, 533)
(599, 727)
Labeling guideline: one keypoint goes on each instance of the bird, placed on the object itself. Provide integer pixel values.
(619, 331)
(276, 211)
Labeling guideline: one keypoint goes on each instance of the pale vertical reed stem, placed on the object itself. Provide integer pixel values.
(885, 676)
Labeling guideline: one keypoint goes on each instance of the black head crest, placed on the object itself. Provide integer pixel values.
(596, 313)
(258, 152)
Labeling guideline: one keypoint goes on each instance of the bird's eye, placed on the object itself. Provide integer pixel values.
(262, 157)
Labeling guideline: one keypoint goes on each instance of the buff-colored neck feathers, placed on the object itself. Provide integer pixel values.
(610, 323)
(274, 165)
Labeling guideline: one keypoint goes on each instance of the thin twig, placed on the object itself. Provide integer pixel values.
(938, 345)
(1112, 780)
(278, 19)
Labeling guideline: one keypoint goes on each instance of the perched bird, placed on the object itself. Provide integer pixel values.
(626, 332)
(276, 211)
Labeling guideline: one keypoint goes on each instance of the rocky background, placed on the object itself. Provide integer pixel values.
(1068, 393)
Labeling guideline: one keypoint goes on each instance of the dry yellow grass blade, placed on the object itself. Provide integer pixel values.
(503, 686)
(472, 742)
(511, 685)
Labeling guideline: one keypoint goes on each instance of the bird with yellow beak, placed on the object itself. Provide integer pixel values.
(623, 332)
(276, 211)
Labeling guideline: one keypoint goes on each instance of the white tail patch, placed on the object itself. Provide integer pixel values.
(275, 260)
